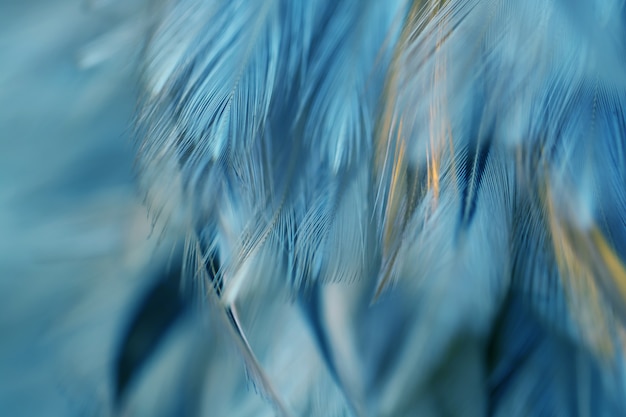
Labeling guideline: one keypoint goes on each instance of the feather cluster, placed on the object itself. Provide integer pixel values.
(384, 207)
(439, 185)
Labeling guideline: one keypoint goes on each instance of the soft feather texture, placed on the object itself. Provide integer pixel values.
(387, 208)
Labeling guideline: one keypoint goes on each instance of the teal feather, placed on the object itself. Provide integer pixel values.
(338, 208)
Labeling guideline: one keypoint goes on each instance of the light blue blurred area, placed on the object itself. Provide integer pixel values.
(77, 252)
(73, 232)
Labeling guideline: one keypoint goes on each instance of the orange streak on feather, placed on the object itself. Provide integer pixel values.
(611, 261)
(577, 275)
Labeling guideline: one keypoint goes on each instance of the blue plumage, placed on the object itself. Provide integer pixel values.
(339, 208)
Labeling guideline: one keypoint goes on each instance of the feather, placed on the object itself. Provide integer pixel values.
(472, 82)
(385, 208)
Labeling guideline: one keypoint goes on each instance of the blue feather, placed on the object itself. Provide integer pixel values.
(351, 208)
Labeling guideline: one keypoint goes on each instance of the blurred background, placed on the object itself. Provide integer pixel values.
(73, 232)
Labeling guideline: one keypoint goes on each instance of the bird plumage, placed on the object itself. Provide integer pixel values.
(379, 208)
